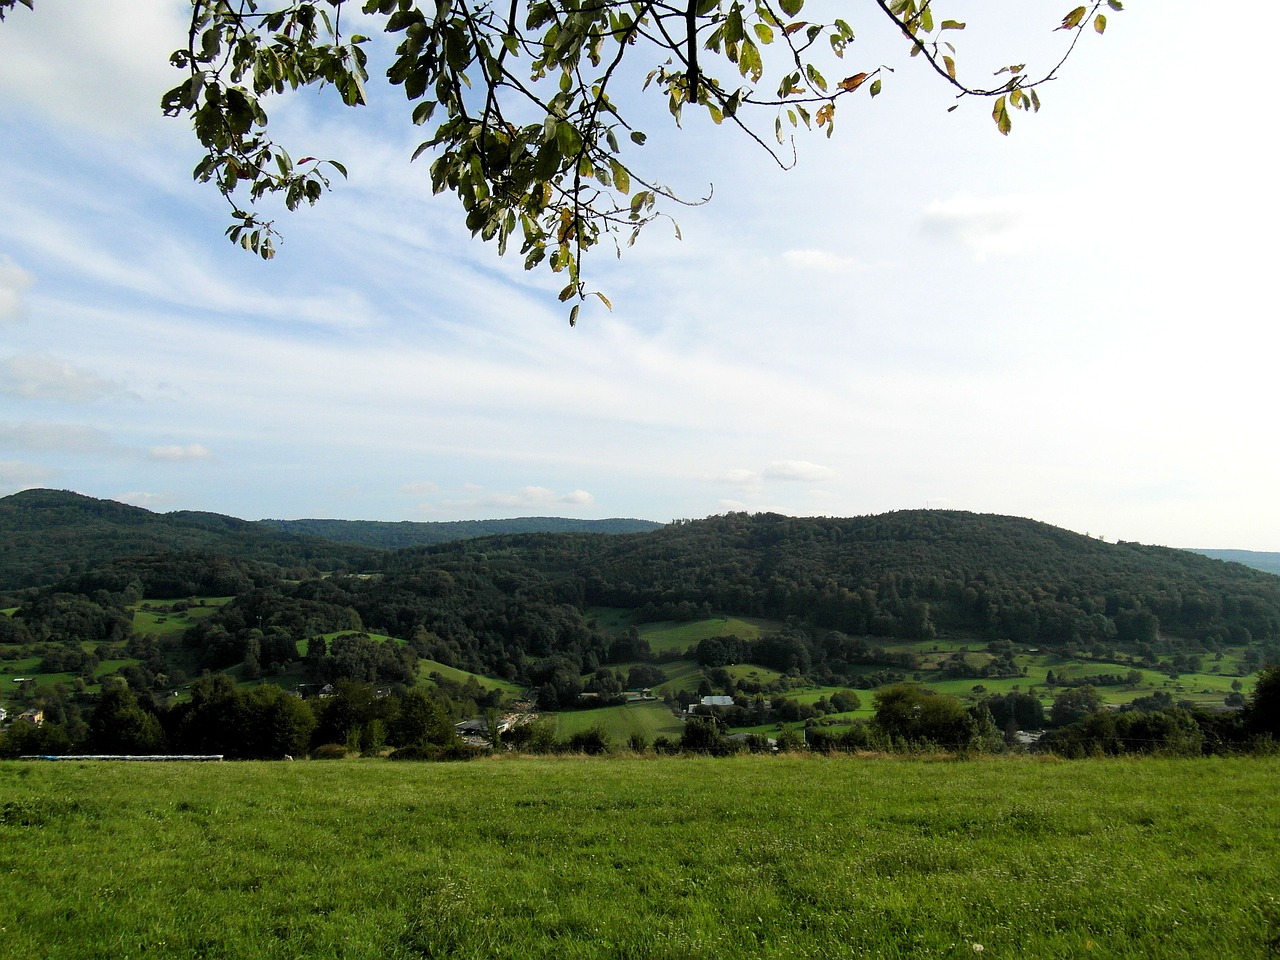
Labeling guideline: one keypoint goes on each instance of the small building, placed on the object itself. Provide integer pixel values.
(33, 717)
(708, 705)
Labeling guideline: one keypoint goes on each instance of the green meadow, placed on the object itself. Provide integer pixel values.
(649, 720)
(636, 857)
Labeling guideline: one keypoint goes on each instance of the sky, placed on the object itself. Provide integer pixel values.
(1075, 323)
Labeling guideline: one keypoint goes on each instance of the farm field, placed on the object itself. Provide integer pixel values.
(774, 857)
(648, 720)
(664, 637)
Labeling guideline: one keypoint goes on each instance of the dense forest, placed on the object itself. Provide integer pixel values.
(47, 534)
(387, 535)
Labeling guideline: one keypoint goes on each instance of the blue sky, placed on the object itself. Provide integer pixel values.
(1075, 323)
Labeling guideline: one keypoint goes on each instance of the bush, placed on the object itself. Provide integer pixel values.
(594, 741)
(329, 751)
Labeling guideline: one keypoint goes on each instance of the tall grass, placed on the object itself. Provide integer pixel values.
(681, 858)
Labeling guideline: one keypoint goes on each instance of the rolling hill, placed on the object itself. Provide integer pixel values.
(46, 535)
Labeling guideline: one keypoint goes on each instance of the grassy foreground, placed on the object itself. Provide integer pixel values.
(641, 858)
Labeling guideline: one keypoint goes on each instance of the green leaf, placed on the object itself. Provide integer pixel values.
(765, 33)
(734, 30)
(638, 138)
(568, 139)
(1100, 22)
(791, 7)
(952, 25)
(875, 87)
(621, 178)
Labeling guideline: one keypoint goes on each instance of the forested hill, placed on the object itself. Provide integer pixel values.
(907, 574)
(526, 606)
(409, 533)
(46, 535)
(1259, 560)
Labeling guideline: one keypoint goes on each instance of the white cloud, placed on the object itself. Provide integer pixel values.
(53, 436)
(742, 477)
(13, 282)
(34, 376)
(799, 470)
(823, 260)
(19, 475)
(526, 498)
(176, 452)
(991, 225)
(420, 488)
(90, 67)
(148, 501)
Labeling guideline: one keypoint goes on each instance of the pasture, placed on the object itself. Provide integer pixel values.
(649, 720)
(738, 859)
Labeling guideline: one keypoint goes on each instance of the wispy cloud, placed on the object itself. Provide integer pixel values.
(18, 475)
(798, 470)
(825, 261)
(14, 281)
(174, 452)
(148, 501)
(991, 225)
(105, 75)
(421, 488)
(526, 498)
(35, 376)
(48, 437)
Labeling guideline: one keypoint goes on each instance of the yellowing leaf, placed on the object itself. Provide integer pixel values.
(1000, 114)
(1073, 19)
(1100, 22)
(854, 82)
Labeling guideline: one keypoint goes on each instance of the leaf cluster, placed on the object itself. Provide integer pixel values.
(524, 123)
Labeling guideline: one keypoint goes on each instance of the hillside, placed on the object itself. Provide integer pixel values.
(47, 535)
(387, 535)
(1258, 559)
(519, 607)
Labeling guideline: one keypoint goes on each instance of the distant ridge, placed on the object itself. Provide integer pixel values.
(1258, 559)
(46, 535)
(396, 535)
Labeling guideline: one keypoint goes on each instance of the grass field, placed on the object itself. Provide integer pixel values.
(754, 857)
(679, 636)
(649, 720)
